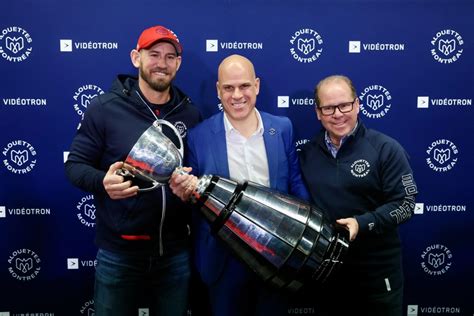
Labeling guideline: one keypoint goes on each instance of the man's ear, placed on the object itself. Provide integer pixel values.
(218, 91)
(317, 113)
(357, 106)
(135, 57)
(178, 63)
(257, 85)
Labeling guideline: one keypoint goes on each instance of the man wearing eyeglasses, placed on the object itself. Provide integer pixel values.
(363, 180)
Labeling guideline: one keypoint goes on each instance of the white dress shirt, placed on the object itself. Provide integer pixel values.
(247, 157)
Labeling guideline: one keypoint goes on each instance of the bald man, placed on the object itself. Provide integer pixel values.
(240, 143)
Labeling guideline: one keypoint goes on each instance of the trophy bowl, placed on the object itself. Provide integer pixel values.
(154, 157)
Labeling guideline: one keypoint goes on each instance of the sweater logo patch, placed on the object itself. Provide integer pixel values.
(181, 127)
(360, 168)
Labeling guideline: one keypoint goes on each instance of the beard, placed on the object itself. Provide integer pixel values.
(160, 85)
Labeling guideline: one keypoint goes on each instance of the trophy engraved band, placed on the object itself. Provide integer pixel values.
(285, 240)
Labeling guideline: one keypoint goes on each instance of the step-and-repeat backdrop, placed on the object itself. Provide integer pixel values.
(412, 63)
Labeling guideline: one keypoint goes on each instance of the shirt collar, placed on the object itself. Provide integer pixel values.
(229, 129)
(332, 148)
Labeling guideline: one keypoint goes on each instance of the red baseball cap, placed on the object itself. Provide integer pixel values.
(158, 33)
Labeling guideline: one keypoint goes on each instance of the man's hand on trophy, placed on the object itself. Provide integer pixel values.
(115, 184)
(351, 225)
(183, 184)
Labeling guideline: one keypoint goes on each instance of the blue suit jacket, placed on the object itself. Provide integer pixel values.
(207, 154)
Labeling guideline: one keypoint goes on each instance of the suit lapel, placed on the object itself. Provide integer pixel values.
(270, 137)
(220, 147)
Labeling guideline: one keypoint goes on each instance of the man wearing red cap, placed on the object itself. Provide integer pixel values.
(143, 237)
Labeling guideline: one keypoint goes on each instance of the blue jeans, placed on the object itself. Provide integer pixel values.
(126, 283)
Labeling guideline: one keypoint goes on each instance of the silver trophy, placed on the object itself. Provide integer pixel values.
(286, 241)
(154, 157)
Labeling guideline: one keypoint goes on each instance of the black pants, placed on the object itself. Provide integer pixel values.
(352, 299)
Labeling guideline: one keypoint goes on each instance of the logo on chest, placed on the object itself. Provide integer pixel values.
(181, 127)
(360, 168)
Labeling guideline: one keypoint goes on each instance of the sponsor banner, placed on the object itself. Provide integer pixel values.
(375, 101)
(24, 102)
(415, 310)
(76, 263)
(442, 155)
(285, 101)
(23, 211)
(83, 97)
(68, 45)
(15, 44)
(424, 102)
(306, 45)
(438, 209)
(358, 47)
(26, 314)
(436, 260)
(300, 143)
(86, 211)
(447, 46)
(214, 45)
(87, 308)
(19, 157)
(24, 264)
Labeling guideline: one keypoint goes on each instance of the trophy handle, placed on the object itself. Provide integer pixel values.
(158, 123)
(129, 172)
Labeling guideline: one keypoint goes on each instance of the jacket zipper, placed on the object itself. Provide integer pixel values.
(163, 191)
(163, 211)
(176, 107)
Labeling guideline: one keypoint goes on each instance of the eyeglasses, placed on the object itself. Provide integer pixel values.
(331, 109)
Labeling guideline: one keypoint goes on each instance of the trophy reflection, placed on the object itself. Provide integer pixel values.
(286, 241)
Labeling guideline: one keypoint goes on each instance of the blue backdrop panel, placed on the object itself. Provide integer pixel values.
(412, 64)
